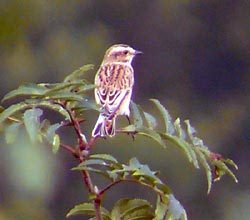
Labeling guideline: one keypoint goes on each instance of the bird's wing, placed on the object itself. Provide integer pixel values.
(114, 86)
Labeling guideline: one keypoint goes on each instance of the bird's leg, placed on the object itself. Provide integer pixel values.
(130, 133)
(127, 117)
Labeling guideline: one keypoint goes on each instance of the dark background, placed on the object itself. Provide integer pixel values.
(196, 61)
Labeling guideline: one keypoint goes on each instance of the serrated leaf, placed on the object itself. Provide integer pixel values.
(98, 171)
(224, 168)
(107, 157)
(129, 209)
(207, 169)
(166, 116)
(86, 88)
(129, 129)
(79, 73)
(161, 208)
(11, 132)
(31, 119)
(140, 170)
(12, 110)
(65, 96)
(88, 209)
(152, 134)
(180, 132)
(175, 209)
(55, 88)
(86, 104)
(169, 208)
(53, 106)
(93, 162)
(29, 89)
(185, 146)
(150, 119)
(138, 121)
(230, 162)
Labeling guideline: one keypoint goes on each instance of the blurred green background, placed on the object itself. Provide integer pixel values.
(196, 61)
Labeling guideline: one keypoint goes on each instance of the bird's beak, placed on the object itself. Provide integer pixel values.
(137, 52)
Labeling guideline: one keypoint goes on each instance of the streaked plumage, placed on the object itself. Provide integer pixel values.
(114, 81)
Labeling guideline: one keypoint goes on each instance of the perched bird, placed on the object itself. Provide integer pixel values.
(114, 83)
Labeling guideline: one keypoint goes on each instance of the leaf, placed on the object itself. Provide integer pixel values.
(65, 96)
(53, 106)
(31, 119)
(140, 170)
(175, 209)
(93, 162)
(29, 89)
(86, 104)
(223, 168)
(185, 146)
(56, 143)
(86, 88)
(55, 88)
(207, 169)
(79, 73)
(161, 208)
(131, 209)
(88, 209)
(152, 134)
(11, 132)
(107, 157)
(138, 121)
(12, 110)
(179, 130)
(169, 208)
(150, 119)
(166, 116)
(52, 137)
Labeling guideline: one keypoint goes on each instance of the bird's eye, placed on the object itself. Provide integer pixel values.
(125, 52)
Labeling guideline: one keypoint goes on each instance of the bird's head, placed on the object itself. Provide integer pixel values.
(120, 53)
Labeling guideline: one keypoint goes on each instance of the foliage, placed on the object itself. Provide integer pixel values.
(70, 100)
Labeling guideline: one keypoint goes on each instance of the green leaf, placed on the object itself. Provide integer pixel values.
(56, 143)
(169, 208)
(151, 121)
(11, 132)
(152, 134)
(140, 170)
(166, 116)
(31, 119)
(77, 74)
(86, 104)
(175, 209)
(207, 169)
(53, 106)
(88, 209)
(161, 208)
(107, 157)
(138, 121)
(65, 96)
(131, 209)
(29, 89)
(223, 168)
(12, 110)
(185, 146)
(93, 162)
(86, 88)
(180, 132)
(58, 87)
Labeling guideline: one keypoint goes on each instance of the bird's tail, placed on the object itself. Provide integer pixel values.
(104, 127)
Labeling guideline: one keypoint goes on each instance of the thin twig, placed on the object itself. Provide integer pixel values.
(68, 148)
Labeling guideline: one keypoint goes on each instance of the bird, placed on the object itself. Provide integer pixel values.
(114, 83)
